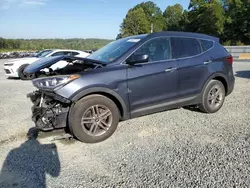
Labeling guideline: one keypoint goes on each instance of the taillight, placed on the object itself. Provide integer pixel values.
(230, 59)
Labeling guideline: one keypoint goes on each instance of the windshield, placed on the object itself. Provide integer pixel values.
(115, 49)
(43, 53)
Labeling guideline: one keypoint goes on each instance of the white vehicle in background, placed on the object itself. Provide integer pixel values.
(15, 67)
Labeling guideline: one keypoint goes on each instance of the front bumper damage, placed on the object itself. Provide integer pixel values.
(49, 110)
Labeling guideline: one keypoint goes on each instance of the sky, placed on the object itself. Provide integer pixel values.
(67, 18)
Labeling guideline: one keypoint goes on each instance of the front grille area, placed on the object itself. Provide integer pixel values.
(7, 71)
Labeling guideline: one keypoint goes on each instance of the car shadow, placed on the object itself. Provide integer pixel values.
(13, 78)
(243, 74)
(27, 165)
(193, 108)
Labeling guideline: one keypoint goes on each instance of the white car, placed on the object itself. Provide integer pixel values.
(15, 67)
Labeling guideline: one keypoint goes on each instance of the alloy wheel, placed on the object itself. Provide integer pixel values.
(96, 120)
(215, 97)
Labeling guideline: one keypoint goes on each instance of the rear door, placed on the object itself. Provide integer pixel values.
(191, 63)
(154, 83)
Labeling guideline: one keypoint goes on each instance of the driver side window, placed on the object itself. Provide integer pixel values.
(157, 49)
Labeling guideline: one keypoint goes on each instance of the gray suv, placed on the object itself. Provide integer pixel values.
(128, 78)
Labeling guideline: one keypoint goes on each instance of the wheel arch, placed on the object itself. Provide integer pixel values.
(20, 66)
(21, 73)
(220, 77)
(120, 103)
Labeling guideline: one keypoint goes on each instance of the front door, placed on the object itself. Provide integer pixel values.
(153, 84)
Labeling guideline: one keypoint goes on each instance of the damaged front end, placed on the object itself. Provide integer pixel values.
(49, 110)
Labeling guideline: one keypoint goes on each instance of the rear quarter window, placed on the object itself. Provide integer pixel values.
(206, 45)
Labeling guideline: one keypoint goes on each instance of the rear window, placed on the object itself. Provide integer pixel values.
(185, 47)
(206, 44)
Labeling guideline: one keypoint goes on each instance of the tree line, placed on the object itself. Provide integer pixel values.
(39, 44)
(227, 19)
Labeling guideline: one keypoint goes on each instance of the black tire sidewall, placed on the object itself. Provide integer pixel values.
(81, 106)
(20, 72)
(205, 107)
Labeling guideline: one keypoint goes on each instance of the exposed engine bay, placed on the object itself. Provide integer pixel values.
(71, 68)
(49, 110)
(62, 65)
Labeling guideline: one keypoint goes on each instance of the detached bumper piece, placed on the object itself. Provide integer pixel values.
(50, 111)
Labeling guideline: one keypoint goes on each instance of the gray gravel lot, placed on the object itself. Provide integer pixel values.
(178, 148)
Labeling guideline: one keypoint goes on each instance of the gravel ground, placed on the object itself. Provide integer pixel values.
(178, 148)
(14, 106)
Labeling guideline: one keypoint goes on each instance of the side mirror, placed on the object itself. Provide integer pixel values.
(135, 59)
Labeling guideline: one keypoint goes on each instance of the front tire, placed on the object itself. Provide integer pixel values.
(213, 97)
(94, 118)
(24, 76)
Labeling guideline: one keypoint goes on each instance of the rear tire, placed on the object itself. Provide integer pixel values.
(24, 76)
(213, 97)
(88, 121)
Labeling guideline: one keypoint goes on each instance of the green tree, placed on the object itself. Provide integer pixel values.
(237, 27)
(206, 17)
(195, 4)
(153, 14)
(184, 21)
(173, 16)
(135, 23)
(39, 44)
(119, 35)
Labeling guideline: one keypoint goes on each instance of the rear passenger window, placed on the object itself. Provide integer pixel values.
(206, 44)
(185, 47)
